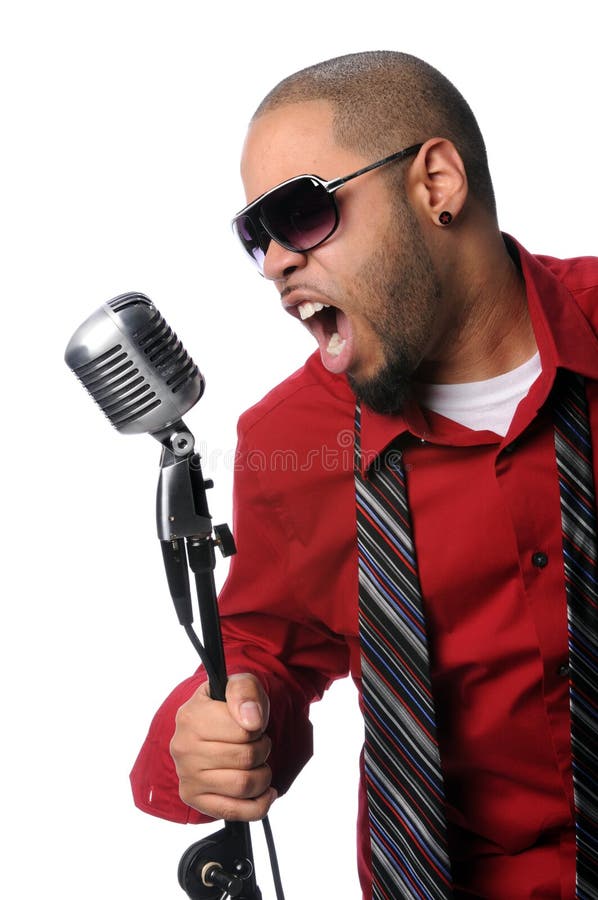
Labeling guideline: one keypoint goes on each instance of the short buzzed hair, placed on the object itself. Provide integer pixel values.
(383, 101)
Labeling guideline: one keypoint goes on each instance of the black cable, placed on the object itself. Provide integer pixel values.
(273, 859)
(207, 662)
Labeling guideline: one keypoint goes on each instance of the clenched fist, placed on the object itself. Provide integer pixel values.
(220, 752)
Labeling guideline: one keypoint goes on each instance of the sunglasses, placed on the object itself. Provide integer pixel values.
(298, 214)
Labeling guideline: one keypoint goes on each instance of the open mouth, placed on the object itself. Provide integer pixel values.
(322, 320)
(332, 329)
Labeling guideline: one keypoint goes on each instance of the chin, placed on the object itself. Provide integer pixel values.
(385, 393)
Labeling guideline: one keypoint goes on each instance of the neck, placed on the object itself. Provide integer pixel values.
(489, 331)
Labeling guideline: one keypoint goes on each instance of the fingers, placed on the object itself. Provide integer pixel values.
(209, 755)
(243, 785)
(220, 751)
(202, 719)
(230, 793)
(233, 810)
(247, 706)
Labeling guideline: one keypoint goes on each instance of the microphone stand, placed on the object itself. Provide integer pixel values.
(221, 866)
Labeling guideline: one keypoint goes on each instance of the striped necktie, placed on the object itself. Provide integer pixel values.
(402, 763)
(580, 551)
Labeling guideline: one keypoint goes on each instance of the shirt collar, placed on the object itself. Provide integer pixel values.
(565, 340)
(564, 336)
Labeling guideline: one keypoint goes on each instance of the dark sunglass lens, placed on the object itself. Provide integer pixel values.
(255, 240)
(300, 214)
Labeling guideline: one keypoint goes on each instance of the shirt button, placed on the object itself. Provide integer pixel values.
(539, 559)
(563, 670)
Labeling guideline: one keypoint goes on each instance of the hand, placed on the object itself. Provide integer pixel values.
(220, 751)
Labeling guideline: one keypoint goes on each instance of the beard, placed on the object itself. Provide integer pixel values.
(400, 291)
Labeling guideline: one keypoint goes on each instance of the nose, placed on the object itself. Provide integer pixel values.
(280, 262)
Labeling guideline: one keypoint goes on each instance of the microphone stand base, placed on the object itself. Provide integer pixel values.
(217, 864)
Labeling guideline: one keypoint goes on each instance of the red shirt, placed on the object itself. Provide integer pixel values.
(486, 523)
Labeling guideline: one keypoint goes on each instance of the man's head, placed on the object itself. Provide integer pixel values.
(383, 100)
(372, 293)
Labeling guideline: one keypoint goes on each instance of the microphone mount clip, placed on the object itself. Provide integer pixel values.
(181, 508)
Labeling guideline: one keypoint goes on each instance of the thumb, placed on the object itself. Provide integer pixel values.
(247, 702)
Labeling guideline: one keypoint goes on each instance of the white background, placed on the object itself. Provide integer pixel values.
(121, 129)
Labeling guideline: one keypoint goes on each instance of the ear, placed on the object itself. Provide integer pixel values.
(437, 181)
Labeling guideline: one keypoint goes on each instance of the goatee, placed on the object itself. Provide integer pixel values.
(387, 392)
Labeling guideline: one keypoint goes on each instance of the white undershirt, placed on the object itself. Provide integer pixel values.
(482, 405)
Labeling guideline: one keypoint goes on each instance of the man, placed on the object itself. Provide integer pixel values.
(453, 340)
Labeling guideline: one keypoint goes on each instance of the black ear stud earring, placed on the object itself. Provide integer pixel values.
(445, 218)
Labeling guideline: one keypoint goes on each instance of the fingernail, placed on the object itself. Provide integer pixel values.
(251, 715)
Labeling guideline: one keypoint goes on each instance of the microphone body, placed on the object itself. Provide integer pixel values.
(134, 366)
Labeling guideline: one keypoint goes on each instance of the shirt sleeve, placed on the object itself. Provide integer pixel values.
(266, 631)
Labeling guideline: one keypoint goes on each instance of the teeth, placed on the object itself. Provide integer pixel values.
(308, 309)
(335, 344)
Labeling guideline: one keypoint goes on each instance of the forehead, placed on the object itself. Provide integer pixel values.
(293, 139)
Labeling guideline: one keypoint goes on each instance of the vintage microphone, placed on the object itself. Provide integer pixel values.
(138, 372)
(134, 366)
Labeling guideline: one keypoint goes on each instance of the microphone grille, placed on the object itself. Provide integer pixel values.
(159, 344)
(115, 383)
(143, 367)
